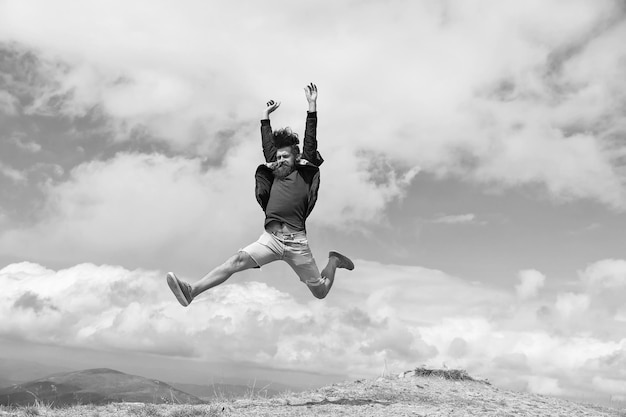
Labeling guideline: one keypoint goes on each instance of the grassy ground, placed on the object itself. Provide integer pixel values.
(418, 393)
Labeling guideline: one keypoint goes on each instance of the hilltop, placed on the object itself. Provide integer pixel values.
(93, 386)
(417, 393)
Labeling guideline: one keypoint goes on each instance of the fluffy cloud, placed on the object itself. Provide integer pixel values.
(609, 274)
(110, 307)
(569, 304)
(492, 93)
(131, 207)
(411, 316)
(150, 209)
(530, 282)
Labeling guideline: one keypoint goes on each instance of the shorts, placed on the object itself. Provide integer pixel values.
(292, 248)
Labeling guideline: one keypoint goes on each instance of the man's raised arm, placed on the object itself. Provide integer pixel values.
(269, 150)
(309, 148)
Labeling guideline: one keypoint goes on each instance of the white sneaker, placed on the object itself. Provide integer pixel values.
(180, 288)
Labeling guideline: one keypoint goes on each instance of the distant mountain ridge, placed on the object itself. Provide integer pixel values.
(94, 386)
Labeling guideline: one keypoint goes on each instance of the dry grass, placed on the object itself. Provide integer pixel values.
(421, 392)
(451, 374)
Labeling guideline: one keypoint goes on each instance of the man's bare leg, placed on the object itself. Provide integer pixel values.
(236, 263)
(185, 292)
(335, 260)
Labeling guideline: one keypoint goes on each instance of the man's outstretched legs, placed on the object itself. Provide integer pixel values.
(186, 292)
(335, 260)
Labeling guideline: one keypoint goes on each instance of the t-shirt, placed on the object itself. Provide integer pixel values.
(288, 201)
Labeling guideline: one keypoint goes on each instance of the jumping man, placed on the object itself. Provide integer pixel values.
(286, 188)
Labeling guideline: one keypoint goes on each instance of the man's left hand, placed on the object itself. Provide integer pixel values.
(311, 92)
(311, 96)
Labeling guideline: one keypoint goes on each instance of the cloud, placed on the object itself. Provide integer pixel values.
(131, 207)
(531, 106)
(12, 173)
(8, 103)
(109, 307)
(418, 316)
(608, 273)
(30, 300)
(530, 282)
(569, 304)
(456, 219)
(356, 189)
(24, 144)
(53, 88)
(150, 209)
(77, 301)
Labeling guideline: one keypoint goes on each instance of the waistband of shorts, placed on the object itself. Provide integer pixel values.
(280, 234)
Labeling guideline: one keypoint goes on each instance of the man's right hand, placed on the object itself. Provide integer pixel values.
(271, 106)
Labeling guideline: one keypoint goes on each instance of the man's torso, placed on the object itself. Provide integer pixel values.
(288, 202)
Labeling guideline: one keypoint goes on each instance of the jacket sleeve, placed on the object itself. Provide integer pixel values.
(309, 149)
(263, 185)
(269, 150)
(313, 189)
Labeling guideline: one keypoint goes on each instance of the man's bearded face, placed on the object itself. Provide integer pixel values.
(285, 163)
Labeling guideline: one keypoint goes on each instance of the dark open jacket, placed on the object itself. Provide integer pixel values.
(308, 166)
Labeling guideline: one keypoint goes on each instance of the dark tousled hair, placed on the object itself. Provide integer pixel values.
(284, 138)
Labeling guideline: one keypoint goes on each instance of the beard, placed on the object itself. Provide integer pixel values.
(282, 169)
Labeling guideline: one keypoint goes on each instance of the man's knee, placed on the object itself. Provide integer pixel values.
(238, 262)
(319, 291)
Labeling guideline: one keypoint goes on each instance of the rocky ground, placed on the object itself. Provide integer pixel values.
(410, 394)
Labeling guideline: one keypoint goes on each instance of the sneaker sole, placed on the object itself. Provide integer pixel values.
(174, 285)
(344, 261)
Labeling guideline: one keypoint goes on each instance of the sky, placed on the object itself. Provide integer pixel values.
(475, 171)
